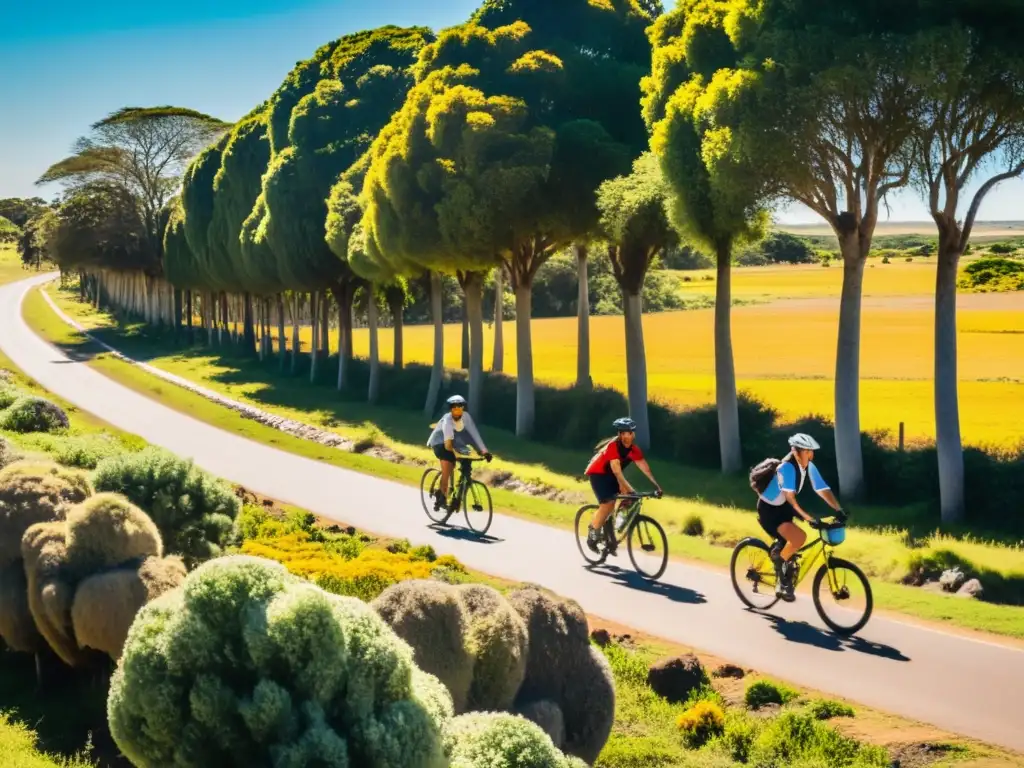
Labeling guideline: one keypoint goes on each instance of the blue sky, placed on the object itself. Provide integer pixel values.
(67, 64)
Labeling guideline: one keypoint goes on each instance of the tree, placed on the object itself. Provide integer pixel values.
(9, 231)
(19, 210)
(144, 150)
(827, 118)
(694, 89)
(971, 73)
(634, 219)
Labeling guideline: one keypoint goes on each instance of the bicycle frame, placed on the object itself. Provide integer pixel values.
(632, 513)
(826, 551)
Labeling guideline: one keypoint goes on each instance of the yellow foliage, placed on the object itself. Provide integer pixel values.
(701, 722)
(365, 576)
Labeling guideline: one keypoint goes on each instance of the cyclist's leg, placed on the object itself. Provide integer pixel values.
(605, 488)
(447, 460)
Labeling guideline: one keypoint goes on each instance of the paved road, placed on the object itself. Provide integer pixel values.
(963, 685)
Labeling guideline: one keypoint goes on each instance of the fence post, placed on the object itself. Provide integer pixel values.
(901, 435)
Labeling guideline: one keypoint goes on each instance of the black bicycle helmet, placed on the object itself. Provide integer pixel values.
(456, 400)
(625, 424)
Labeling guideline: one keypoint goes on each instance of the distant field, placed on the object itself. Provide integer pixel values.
(785, 349)
(10, 264)
(986, 230)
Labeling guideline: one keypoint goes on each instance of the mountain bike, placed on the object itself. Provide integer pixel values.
(472, 495)
(847, 586)
(636, 529)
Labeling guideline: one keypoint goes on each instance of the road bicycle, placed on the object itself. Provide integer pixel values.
(473, 496)
(847, 586)
(636, 529)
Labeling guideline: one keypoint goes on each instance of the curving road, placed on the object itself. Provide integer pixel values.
(964, 685)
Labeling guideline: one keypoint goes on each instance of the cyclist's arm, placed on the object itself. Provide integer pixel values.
(644, 467)
(822, 488)
(448, 430)
(624, 486)
(474, 433)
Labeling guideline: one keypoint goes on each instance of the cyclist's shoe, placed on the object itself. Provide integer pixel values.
(787, 577)
(610, 545)
(439, 500)
(593, 539)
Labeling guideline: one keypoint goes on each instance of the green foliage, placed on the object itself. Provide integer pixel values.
(19, 210)
(33, 414)
(246, 664)
(992, 275)
(9, 231)
(194, 511)
(20, 750)
(798, 739)
(106, 531)
(84, 451)
(700, 723)
(762, 692)
(9, 394)
(826, 709)
(501, 740)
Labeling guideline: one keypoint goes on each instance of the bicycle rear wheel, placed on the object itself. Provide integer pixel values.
(428, 484)
(846, 592)
(476, 506)
(752, 571)
(648, 535)
(583, 518)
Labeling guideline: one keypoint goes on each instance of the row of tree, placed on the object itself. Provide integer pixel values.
(401, 154)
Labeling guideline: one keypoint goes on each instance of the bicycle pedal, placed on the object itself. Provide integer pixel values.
(647, 547)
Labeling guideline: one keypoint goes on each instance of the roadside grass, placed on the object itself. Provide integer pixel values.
(879, 543)
(19, 748)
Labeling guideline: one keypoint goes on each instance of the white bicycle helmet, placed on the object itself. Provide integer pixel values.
(803, 442)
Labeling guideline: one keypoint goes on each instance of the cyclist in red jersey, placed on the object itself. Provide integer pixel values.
(605, 471)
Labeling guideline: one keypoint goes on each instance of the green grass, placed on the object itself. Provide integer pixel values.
(18, 749)
(879, 543)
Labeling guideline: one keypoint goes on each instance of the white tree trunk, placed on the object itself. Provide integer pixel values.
(849, 457)
(437, 372)
(947, 408)
(314, 347)
(636, 367)
(499, 321)
(342, 361)
(725, 370)
(296, 311)
(525, 396)
(282, 345)
(582, 320)
(475, 311)
(373, 391)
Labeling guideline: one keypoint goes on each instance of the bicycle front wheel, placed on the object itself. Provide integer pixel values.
(583, 518)
(428, 484)
(842, 596)
(476, 506)
(647, 535)
(753, 574)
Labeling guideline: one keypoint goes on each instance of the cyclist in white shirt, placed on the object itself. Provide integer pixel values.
(454, 432)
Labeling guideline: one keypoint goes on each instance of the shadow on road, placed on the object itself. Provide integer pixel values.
(463, 534)
(804, 633)
(634, 580)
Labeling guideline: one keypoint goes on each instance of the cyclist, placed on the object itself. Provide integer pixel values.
(453, 432)
(777, 506)
(606, 479)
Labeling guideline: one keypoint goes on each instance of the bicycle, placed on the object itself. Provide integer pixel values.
(631, 526)
(461, 490)
(830, 535)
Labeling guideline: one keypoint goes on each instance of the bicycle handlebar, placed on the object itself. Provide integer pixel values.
(639, 495)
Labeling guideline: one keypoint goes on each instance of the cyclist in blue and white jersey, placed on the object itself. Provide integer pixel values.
(777, 506)
(454, 433)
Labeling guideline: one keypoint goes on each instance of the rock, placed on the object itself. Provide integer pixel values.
(601, 637)
(729, 670)
(674, 679)
(952, 579)
(971, 588)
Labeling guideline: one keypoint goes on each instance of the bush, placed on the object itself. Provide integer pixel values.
(246, 664)
(563, 668)
(8, 453)
(499, 740)
(194, 510)
(693, 525)
(468, 636)
(794, 737)
(700, 723)
(82, 451)
(33, 414)
(992, 274)
(8, 394)
(826, 709)
(764, 692)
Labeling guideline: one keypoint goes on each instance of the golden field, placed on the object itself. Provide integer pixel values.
(785, 349)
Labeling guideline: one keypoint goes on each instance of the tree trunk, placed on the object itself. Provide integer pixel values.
(344, 297)
(499, 321)
(296, 310)
(248, 332)
(475, 312)
(436, 308)
(849, 458)
(525, 396)
(725, 369)
(325, 328)
(464, 363)
(177, 314)
(372, 323)
(583, 321)
(210, 317)
(397, 311)
(349, 293)
(314, 326)
(636, 367)
(190, 338)
(282, 347)
(947, 407)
